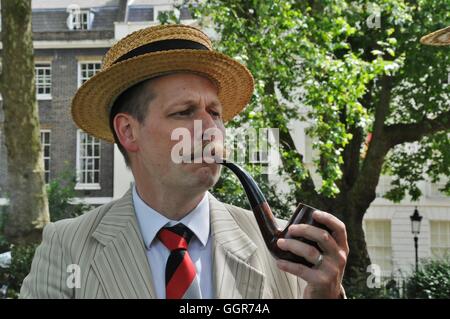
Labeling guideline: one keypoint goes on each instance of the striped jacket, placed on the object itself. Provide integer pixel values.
(108, 252)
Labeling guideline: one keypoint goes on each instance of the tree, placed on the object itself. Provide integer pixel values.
(28, 208)
(356, 72)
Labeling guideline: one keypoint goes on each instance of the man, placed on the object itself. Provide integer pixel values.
(168, 237)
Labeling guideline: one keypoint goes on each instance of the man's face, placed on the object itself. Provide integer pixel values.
(181, 99)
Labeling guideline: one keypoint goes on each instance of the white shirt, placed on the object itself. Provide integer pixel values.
(150, 222)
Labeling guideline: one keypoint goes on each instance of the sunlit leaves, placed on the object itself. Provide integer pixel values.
(329, 50)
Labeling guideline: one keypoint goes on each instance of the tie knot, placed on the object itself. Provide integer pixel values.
(175, 237)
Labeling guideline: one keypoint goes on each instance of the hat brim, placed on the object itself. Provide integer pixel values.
(439, 38)
(92, 102)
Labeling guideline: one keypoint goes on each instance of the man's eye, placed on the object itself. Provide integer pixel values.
(216, 114)
(184, 113)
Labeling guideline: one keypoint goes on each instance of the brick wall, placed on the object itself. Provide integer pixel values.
(55, 115)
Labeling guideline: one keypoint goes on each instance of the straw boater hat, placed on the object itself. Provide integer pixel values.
(154, 51)
(440, 37)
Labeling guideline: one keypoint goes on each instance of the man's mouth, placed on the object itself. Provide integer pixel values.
(210, 153)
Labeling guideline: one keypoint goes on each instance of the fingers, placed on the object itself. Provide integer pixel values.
(299, 248)
(311, 275)
(323, 238)
(336, 226)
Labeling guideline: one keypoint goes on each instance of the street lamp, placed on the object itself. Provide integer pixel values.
(416, 219)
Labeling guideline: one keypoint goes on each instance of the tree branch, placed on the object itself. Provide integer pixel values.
(363, 191)
(382, 109)
(351, 155)
(308, 191)
(402, 133)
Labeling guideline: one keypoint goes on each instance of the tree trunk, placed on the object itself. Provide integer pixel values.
(28, 208)
(358, 259)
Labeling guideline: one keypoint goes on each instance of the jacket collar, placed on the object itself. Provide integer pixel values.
(122, 266)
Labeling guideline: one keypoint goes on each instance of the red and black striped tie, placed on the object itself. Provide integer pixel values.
(181, 278)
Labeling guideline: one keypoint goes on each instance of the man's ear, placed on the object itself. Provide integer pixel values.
(126, 130)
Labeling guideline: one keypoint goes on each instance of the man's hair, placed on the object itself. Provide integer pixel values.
(134, 101)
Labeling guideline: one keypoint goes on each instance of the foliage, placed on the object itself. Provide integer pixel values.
(229, 190)
(322, 62)
(4, 246)
(60, 196)
(432, 281)
(329, 50)
(389, 289)
(61, 192)
(21, 258)
(355, 72)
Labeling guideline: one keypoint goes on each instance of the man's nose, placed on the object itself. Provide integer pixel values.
(210, 126)
(208, 120)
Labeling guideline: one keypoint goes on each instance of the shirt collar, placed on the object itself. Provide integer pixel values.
(150, 221)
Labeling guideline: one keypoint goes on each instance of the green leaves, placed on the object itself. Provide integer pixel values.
(322, 62)
(412, 163)
(432, 281)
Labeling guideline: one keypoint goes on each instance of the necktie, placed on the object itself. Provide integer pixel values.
(181, 277)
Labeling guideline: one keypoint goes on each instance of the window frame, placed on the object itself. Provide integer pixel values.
(385, 272)
(433, 233)
(84, 25)
(79, 79)
(81, 185)
(43, 65)
(43, 144)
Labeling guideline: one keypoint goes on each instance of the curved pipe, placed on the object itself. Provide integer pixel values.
(266, 220)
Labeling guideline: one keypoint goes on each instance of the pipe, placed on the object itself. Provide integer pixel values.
(266, 220)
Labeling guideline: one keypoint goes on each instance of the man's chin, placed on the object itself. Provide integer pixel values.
(207, 175)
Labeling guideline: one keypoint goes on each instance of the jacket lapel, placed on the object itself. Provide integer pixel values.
(236, 272)
(121, 264)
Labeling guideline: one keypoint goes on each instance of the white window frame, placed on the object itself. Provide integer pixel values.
(80, 63)
(442, 244)
(43, 144)
(43, 65)
(80, 185)
(384, 272)
(85, 17)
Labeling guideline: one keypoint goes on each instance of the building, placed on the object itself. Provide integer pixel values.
(70, 38)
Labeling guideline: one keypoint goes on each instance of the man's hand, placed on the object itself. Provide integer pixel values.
(325, 279)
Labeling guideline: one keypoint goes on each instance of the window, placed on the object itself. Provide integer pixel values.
(378, 240)
(440, 238)
(45, 143)
(139, 13)
(86, 70)
(80, 20)
(88, 161)
(43, 72)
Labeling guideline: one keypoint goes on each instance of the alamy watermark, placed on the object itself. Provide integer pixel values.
(212, 145)
(374, 279)
(74, 277)
(373, 21)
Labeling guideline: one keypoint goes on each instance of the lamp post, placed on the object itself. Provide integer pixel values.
(416, 219)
